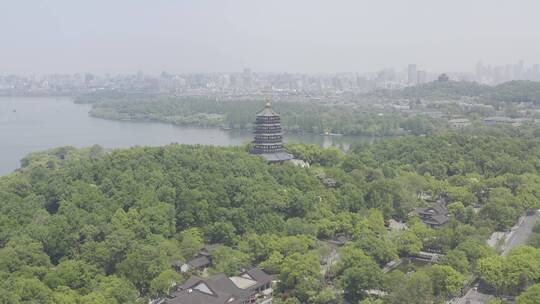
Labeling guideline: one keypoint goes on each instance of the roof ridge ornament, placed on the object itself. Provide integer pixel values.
(268, 102)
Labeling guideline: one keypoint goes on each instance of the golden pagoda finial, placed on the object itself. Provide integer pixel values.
(268, 102)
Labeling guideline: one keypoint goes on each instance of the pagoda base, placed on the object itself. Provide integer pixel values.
(277, 157)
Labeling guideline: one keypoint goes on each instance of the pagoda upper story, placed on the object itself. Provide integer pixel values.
(268, 139)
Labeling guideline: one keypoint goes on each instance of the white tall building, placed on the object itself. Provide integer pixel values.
(413, 75)
(421, 77)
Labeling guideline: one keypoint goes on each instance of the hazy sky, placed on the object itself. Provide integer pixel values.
(123, 36)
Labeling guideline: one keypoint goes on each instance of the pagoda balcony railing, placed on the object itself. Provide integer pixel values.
(268, 124)
(269, 147)
(269, 132)
(266, 119)
(269, 137)
(267, 127)
(269, 142)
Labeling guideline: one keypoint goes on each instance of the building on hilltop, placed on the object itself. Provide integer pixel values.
(433, 216)
(252, 286)
(459, 123)
(201, 262)
(268, 136)
(443, 78)
(501, 120)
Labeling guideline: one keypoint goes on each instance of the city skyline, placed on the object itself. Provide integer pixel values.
(298, 37)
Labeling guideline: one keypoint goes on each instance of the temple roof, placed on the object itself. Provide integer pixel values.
(220, 289)
(267, 111)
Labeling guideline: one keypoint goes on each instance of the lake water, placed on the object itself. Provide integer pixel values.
(39, 123)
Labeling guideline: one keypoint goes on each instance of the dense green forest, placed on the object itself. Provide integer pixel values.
(239, 114)
(91, 226)
(357, 116)
(512, 91)
(444, 90)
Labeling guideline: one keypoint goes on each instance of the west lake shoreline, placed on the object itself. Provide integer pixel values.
(32, 124)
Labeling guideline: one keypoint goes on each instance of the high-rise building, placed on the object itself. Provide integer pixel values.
(268, 141)
(247, 78)
(88, 78)
(480, 72)
(412, 79)
(421, 77)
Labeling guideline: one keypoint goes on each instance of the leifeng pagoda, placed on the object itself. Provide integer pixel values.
(268, 141)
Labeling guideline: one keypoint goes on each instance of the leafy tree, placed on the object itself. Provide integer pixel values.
(142, 265)
(446, 281)
(117, 289)
(159, 218)
(392, 280)
(534, 240)
(273, 263)
(64, 295)
(355, 281)
(380, 248)
(94, 298)
(32, 291)
(221, 232)
(456, 259)
(228, 260)
(407, 243)
(491, 269)
(288, 300)
(457, 210)
(74, 274)
(530, 296)
(474, 250)
(21, 252)
(301, 275)
(372, 301)
(192, 242)
(513, 272)
(325, 296)
(162, 284)
(501, 208)
(418, 289)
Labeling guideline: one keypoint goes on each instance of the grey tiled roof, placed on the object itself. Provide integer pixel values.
(218, 289)
(277, 157)
(202, 261)
(221, 290)
(267, 111)
(437, 219)
(436, 214)
(258, 275)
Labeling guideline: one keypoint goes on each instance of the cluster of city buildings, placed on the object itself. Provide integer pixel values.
(237, 83)
(497, 74)
(241, 83)
(250, 82)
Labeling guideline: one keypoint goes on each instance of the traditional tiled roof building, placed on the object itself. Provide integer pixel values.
(268, 141)
(250, 287)
(433, 216)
